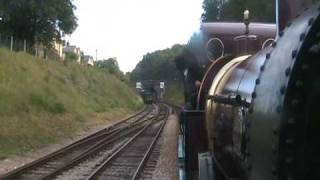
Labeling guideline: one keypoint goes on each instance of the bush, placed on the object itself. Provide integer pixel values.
(46, 103)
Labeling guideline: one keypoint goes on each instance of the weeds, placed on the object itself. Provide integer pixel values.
(42, 101)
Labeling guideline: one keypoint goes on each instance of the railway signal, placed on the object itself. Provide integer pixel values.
(162, 85)
(138, 85)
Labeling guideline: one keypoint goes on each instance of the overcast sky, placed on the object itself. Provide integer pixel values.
(128, 29)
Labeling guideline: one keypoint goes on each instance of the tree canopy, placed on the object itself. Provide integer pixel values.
(111, 66)
(37, 20)
(158, 65)
(232, 10)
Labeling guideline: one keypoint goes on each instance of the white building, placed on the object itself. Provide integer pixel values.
(58, 46)
(73, 49)
(88, 60)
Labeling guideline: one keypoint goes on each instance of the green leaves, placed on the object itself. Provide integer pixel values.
(38, 21)
(212, 10)
(158, 65)
(111, 66)
(232, 10)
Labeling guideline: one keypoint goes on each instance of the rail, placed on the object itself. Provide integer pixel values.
(80, 146)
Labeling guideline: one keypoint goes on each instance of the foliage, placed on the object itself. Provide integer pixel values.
(196, 47)
(111, 65)
(212, 10)
(232, 10)
(42, 102)
(174, 93)
(158, 65)
(71, 57)
(37, 21)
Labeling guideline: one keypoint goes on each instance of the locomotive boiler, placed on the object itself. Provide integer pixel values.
(254, 114)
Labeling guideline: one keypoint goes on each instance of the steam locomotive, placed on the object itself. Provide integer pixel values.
(254, 114)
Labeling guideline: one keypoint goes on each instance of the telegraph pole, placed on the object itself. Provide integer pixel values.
(96, 54)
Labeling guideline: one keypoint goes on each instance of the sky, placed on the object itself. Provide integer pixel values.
(128, 29)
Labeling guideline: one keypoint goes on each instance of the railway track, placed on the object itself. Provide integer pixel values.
(109, 139)
(137, 157)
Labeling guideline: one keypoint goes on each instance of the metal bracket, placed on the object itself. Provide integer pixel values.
(205, 166)
(230, 100)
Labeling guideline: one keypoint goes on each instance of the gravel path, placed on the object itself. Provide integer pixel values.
(167, 166)
(84, 169)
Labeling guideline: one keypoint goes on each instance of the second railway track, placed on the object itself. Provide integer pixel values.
(84, 156)
(129, 161)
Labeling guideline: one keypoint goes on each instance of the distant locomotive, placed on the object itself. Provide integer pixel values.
(149, 95)
(148, 91)
(255, 114)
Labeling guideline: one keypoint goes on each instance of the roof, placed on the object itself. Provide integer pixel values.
(233, 28)
(87, 57)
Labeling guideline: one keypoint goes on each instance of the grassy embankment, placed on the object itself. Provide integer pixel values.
(174, 94)
(42, 102)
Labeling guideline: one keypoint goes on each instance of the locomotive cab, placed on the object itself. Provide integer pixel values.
(217, 124)
(255, 116)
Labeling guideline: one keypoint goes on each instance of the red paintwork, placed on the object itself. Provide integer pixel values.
(289, 9)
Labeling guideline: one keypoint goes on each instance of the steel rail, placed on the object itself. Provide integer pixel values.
(82, 142)
(102, 166)
(148, 153)
(96, 148)
(100, 169)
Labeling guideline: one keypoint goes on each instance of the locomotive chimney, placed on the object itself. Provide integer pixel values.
(246, 19)
(288, 10)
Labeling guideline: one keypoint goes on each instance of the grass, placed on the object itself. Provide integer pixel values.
(174, 94)
(42, 102)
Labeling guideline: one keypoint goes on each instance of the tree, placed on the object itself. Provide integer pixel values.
(212, 10)
(71, 57)
(196, 45)
(38, 21)
(232, 10)
(158, 65)
(111, 66)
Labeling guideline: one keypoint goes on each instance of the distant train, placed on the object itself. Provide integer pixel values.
(149, 95)
(254, 113)
(151, 91)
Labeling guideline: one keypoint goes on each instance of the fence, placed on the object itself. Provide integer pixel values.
(18, 45)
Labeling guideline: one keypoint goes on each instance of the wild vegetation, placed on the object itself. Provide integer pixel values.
(42, 101)
(37, 21)
(174, 93)
(111, 66)
(158, 65)
(232, 10)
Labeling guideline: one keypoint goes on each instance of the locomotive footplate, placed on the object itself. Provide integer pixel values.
(195, 140)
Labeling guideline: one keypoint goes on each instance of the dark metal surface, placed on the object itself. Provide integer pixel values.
(195, 140)
(208, 78)
(225, 116)
(242, 79)
(227, 32)
(277, 150)
(279, 87)
(289, 9)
